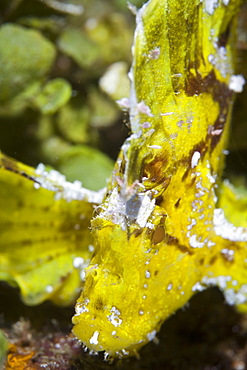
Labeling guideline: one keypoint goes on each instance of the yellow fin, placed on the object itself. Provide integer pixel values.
(44, 242)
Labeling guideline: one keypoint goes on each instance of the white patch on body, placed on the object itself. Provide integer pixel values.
(210, 6)
(195, 159)
(226, 230)
(236, 83)
(94, 338)
(194, 243)
(114, 317)
(56, 182)
(151, 336)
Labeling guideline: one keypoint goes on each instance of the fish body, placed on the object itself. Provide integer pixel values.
(160, 234)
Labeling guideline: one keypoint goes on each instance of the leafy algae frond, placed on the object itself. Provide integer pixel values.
(160, 233)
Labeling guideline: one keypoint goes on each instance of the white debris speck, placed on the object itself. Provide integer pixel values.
(145, 286)
(216, 132)
(222, 52)
(212, 178)
(221, 281)
(154, 54)
(151, 336)
(78, 262)
(82, 275)
(200, 194)
(220, 59)
(226, 152)
(210, 244)
(141, 312)
(147, 274)
(94, 338)
(211, 58)
(193, 223)
(228, 254)
(226, 2)
(194, 243)
(150, 225)
(114, 317)
(144, 297)
(236, 297)
(81, 308)
(199, 185)
(174, 136)
(226, 230)
(143, 108)
(166, 114)
(155, 146)
(124, 103)
(113, 332)
(91, 248)
(237, 83)
(146, 125)
(169, 286)
(49, 288)
(56, 182)
(198, 287)
(195, 159)
(210, 6)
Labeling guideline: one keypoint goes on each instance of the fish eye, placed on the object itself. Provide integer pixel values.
(158, 235)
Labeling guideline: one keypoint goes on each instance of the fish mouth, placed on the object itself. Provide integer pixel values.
(99, 336)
